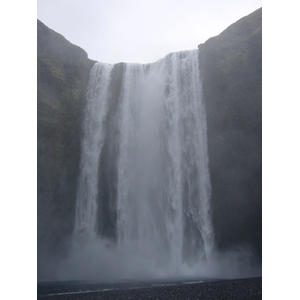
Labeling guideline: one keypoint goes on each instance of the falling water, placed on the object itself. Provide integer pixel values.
(91, 149)
(143, 200)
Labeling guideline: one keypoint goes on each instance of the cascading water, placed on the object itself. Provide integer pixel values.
(91, 148)
(143, 202)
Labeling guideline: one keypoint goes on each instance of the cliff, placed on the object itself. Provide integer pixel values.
(62, 78)
(231, 66)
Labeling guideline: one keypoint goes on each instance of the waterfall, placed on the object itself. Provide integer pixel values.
(144, 188)
(91, 148)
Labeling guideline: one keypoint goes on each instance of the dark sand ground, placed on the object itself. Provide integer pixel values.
(250, 288)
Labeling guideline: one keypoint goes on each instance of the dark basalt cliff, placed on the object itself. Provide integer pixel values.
(231, 66)
(62, 78)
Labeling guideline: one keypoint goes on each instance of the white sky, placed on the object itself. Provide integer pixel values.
(140, 31)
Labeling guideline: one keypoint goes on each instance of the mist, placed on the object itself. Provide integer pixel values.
(104, 261)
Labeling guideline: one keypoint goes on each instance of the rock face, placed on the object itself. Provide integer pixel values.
(231, 66)
(62, 78)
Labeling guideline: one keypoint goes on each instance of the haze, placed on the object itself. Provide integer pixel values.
(140, 31)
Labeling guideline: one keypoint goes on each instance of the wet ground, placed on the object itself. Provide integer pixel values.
(250, 288)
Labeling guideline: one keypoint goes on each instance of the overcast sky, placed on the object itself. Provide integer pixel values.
(141, 31)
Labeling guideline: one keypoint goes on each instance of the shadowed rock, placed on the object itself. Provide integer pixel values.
(62, 77)
(231, 66)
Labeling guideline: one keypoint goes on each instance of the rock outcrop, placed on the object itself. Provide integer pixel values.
(231, 66)
(62, 78)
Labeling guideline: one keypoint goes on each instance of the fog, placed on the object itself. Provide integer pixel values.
(103, 261)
